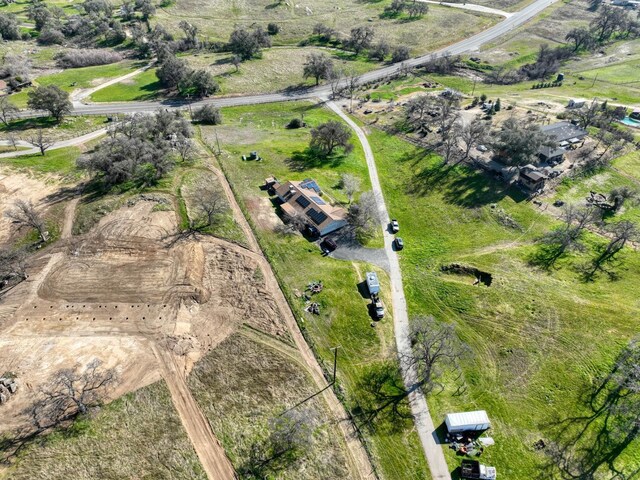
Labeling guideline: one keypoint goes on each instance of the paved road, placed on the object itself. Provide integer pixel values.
(61, 144)
(419, 408)
(469, 44)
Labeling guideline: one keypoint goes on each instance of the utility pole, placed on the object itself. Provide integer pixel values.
(594, 79)
(475, 80)
(335, 364)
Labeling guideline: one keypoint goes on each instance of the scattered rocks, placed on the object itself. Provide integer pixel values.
(8, 387)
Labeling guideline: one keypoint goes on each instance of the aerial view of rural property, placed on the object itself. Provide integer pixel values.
(319, 239)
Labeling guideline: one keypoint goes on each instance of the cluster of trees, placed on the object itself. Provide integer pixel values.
(141, 149)
(414, 8)
(96, 23)
(15, 70)
(50, 98)
(570, 236)
(329, 136)
(361, 39)
(454, 138)
(175, 73)
(246, 43)
(611, 22)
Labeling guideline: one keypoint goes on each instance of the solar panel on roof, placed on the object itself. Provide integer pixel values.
(316, 216)
(302, 201)
(311, 185)
(318, 200)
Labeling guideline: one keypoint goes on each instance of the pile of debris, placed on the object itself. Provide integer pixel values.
(313, 288)
(8, 387)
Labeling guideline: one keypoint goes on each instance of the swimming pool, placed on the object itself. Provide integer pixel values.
(631, 122)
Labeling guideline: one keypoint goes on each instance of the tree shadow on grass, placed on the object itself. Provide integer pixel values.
(584, 447)
(310, 158)
(24, 124)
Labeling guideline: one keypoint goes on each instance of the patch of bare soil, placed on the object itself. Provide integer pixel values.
(15, 186)
(130, 283)
(263, 212)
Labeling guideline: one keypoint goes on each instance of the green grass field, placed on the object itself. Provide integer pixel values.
(60, 162)
(136, 436)
(344, 318)
(75, 78)
(538, 338)
(141, 87)
(69, 127)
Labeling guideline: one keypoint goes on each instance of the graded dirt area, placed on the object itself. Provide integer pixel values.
(139, 296)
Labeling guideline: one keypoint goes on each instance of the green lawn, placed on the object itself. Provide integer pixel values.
(156, 445)
(69, 127)
(141, 87)
(344, 318)
(74, 78)
(60, 162)
(538, 339)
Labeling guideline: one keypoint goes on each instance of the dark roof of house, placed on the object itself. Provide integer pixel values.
(533, 176)
(563, 131)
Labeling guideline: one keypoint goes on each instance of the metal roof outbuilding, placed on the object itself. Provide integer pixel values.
(467, 421)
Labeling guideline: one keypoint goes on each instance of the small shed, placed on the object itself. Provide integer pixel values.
(532, 180)
(467, 421)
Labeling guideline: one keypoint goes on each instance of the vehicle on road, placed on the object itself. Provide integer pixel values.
(399, 243)
(395, 226)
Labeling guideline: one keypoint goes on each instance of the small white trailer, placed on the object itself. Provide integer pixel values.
(476, 421)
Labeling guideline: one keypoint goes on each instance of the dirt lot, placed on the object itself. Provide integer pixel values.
(15, 186)
(129, 284)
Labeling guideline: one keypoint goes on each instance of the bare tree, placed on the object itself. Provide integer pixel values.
(185, 147)
(319, 66)
(7, 110)
(42, 142)
(621, 234)
(13, 140)
(12, 266)
(566, 237)
(328, 136)
(619, 195)
(24, 214)
(435, 349)
(296, 221)
(71, 392)
(471, 135)
(363, 215)
(350, 185)
(290, 436)
(351, 86)
(336, 82)
(211, 205)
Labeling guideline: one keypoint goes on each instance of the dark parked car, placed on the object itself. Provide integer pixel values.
(328, 245)
(399, 243)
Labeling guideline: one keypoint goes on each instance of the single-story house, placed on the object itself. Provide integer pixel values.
(532, 179)
(304, 198)
(477, 421)
(564, 135)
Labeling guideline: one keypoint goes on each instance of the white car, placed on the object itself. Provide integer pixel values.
(395, 226)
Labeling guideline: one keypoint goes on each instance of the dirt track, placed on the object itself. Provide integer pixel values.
(210, 452)
(360, 465)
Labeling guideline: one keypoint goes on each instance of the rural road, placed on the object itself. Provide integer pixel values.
(467, 45)
(426, 430)
(419, 408)
(72, 142)
(360, 465)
